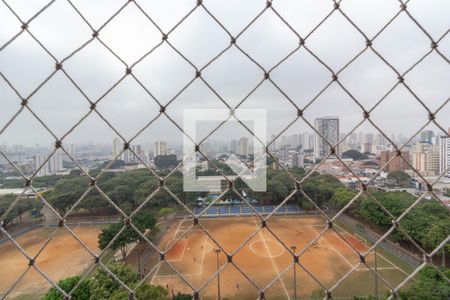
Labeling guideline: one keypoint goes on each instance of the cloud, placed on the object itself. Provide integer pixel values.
(165, 73)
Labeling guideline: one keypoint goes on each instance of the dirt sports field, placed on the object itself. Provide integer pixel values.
(62, 257)
(262, 258)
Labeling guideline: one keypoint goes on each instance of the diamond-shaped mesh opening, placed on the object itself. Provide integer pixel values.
(396, 53)
(91, 149)
(346, 39)
(96, 78)
(372, 16)
(11, 57)
(69, 30)
(130, 47)
(301, 77)
(426, 73)
(56, 97)
(30, 278)
(160, 76)
(60, 238)
(140, 107)
(369, 69)
(411, 107)
(193, 30)
(266, 30)
(241, 74)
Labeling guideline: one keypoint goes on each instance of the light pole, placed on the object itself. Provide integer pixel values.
(218, 273)
(376, 275)
(295, 274)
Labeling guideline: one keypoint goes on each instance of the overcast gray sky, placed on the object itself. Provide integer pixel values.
(233, 75)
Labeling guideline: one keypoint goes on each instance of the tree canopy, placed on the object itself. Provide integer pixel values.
(23, 206)
(164, 162)
(429, 284)
(401, 178)
(102, 286)
(355, 155)
(82, 292)
(142, 220)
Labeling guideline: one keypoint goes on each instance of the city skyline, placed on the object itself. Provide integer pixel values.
(428, 153)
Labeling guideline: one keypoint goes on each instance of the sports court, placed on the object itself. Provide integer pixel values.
(263, 258)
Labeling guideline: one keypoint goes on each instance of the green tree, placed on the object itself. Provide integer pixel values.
(320, 189)
(81, 293)
(116, 164)
(428, 223)
(122, 195)
(103, 285)
(429, 285)
(317, 294)
(143, 292)
(355, 155)
(142, 220)
(180, 296)
(147, 291)
(23, 206)
(401, 178)
(438, 232)
(93, 202)
(342, 196)
(67, 192)
(163, 162)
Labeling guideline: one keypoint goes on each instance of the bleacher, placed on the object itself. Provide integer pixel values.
(245, 210)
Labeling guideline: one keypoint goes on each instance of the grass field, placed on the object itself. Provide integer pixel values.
(62, 257)
(263, 258)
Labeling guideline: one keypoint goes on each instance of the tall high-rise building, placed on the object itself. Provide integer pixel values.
(305, 141)
(360, 138)
(397, 163)
(311, 138)
(126, 156)
(284, 140)
(38, 160)
(139, 154)
(368, 138)
(159, 148)
(298, 160)
(353, 139)
(116, 147)
(425, 158)
(243, 146)
(295, 140)
(328, 128)
(444, 155)
(72, 150)
(380, 140)
(52, 166)
(367, 143)
(234, 146)
(426, 136)
(56, 161)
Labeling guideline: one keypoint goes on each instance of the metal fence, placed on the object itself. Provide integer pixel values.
(386, 244)
(335, 8)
